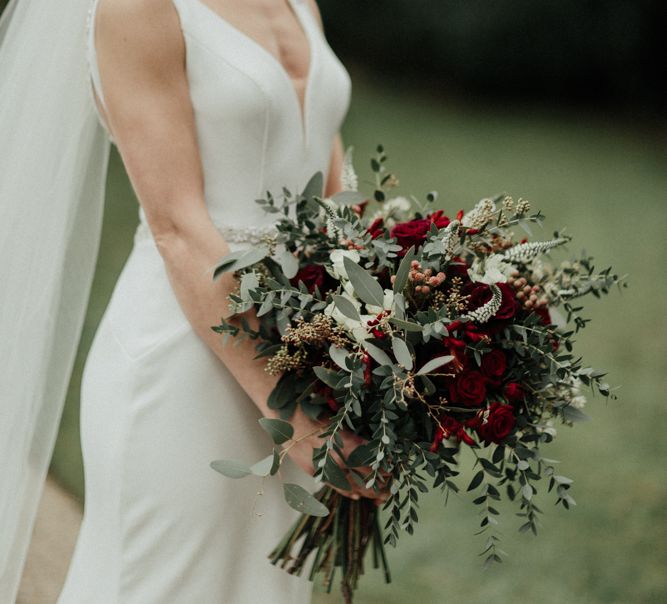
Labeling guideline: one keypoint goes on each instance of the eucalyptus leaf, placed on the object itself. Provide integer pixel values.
(348, 198)
(338, 355)
(346, 307)
(402, 352)
(315, 186)
(289, 263)
(379, 355)
(405, 325)
(403, 270)
(243, 260)
(231, 468)
(302, 501)
(365, 285)
(329, 377)
(335, 475)
(435, 363)
(263, 467)
(363, 455)
(279, 430)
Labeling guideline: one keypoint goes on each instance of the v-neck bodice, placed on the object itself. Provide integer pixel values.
(253, 133)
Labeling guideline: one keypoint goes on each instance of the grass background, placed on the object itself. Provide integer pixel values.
(602, 177)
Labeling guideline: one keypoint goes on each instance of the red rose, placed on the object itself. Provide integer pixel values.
(375, 229)
(414, 231)
(447, 428)
(514, 392)
(481, 294)
(468, 389)
(311, 275)
(494, 363)
(499, 424)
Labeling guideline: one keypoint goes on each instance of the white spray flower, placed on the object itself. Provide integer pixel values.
(496, 270)
(336, 256)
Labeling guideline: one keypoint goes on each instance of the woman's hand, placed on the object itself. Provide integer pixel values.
(306, 439)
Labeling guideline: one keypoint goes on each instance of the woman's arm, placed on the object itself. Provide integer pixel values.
(141, 58)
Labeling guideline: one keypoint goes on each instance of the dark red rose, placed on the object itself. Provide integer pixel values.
(499, 424)
(494, 363)
(468, 389)
(481, 294)
(514, 392)
(543, 313)
(311, 275)
(448, 427)
(375, 229)
(414, 231)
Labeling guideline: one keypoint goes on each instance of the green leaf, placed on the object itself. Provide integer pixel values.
(249, 282)
(315, 186)
(365, 285)
(346, 307)
(476, 480)
(289, 263)
(435, 363)
(379, 355)
(302, 501)
(329, 377)
(348, 198)
(227, 262)
(403, 270)
(264, 466)
(405, 325)
(278, 429)
(231, 468)
(334, 475)
(247, 258)
(338, 355)
(402, 352)
(363, 455)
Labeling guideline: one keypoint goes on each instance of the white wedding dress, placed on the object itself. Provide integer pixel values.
(157, 406)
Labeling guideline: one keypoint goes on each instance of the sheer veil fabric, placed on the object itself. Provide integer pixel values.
(52, 176)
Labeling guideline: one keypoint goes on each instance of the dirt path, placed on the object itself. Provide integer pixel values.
(53, 540)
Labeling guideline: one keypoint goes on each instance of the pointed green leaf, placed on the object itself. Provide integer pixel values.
(334, 475)
(278, 429)
(348, 198)
(402, 352)
(379, 355)
(230, 468)
(263, 467)
(403, 270)
(245, 259)
(329, 377)
(315, 186)
(363, 455)
(302, 501)
(365, 285)
(405, 325)
(435, 363)
(346, 307)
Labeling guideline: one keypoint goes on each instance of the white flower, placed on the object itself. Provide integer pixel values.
(393, 209)
(496, 270)
(336, 256)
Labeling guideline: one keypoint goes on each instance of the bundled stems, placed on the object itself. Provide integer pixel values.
(339, 540)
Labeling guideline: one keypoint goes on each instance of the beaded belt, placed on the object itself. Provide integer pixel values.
(252, 234)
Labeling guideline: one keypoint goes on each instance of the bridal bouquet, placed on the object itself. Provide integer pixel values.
(424, 334)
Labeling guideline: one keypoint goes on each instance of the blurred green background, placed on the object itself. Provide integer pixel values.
(559, 103)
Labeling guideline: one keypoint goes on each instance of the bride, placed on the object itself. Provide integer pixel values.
(210, 103)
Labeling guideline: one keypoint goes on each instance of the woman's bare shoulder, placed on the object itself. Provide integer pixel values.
(139, 35)
(151, 26)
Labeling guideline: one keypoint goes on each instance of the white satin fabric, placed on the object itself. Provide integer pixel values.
(157, 406)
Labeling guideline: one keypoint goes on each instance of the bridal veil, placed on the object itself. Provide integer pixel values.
(53, 162)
